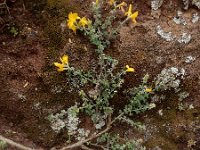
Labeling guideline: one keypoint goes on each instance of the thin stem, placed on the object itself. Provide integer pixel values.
(17, 145)
(122, 23)
(80, 143)
(86, 148)
(23, 4)
(5, 5)
(116, 118)
(96, 145)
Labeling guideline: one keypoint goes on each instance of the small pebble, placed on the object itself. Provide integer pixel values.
(160, 112)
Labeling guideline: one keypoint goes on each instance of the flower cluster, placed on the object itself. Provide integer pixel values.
(121, 6)
(64, 63)
(75, 22)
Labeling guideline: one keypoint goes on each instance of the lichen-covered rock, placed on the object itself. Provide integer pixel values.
(169, 78)
(195, 17)
(156, 4)
(186, 3)
(193, 2)
(185, 38)
(196, 3)
(168, 36)
(179, 19)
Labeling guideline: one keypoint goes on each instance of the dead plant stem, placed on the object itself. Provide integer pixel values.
(17, 145)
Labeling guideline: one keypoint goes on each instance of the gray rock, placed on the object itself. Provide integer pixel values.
(185, 38)
(165, 35)
(156, 4)
(196, 3)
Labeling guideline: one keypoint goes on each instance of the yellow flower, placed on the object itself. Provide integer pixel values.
(134, 16)
(64, 62)
(121, 6)
(131, 15)
(71, 22)
(148, 90)
(64, 59)
(111, 2)
(97, 2)
(129, 12)
(83, 22)
(129, 69)
(71, 26)
(60, 66)
(61, 69)
(73, 16)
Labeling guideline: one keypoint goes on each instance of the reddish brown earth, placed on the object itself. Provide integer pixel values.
(31, 89)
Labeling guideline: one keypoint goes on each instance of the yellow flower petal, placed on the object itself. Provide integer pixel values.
(148, 90)
(73, 16)
(72, 19)
(121, 6)
(83, 22)
(131, 15)
(70, 23)
(129, 69)
(64, 59)
(134, 16)
(62, 66)
(97, 2)
(61, 69)
(59, 65)
(129, 12)
(72, 26)
(73, 29)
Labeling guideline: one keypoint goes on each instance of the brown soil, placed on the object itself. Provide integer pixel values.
(31, 89)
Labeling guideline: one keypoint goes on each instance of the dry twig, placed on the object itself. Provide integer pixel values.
(17, 145)
(4, 5)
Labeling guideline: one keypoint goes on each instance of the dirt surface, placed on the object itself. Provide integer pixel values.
(31, 89)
